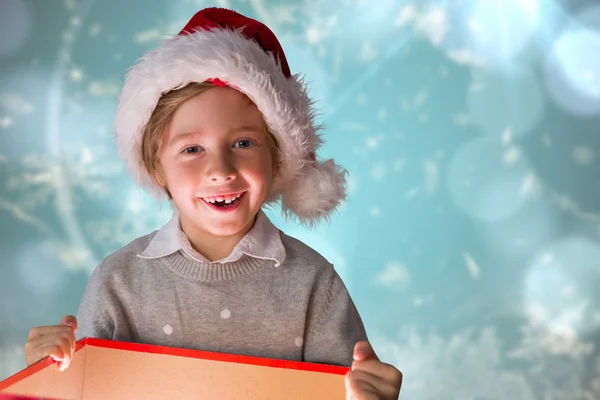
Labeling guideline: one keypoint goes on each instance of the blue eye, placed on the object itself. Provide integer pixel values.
(243, 144)
(191, 150)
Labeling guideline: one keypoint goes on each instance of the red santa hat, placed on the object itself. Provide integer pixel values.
(225, 47)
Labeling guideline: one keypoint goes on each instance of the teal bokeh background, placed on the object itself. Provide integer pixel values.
(470, 240)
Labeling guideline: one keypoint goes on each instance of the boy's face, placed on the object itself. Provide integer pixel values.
(216, 163)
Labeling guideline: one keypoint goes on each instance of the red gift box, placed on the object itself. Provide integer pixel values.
(106, 369)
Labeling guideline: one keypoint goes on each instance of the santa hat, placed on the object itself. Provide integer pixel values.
(225, 47)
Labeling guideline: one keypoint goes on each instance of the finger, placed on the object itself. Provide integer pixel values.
(53, 351)
(385, 371)
(63, 365)
(70, 321)
(47, 340)
(360, 389)
(48, 330)
(374, 383)
(364, 351)
(65, 346)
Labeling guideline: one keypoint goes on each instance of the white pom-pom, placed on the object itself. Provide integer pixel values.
(317, 193)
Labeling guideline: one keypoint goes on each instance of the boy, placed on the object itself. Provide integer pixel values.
(214, 122)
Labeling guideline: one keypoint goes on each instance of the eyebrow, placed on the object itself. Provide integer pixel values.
(187, 135)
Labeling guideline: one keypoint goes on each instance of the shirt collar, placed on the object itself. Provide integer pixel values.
(262, 241)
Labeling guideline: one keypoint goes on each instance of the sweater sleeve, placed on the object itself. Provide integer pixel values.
(333, 323)
(93, 315)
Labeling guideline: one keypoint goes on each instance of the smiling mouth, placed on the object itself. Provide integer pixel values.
(223, 201)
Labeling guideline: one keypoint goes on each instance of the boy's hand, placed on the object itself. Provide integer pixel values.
(370, 379)
(56, 341)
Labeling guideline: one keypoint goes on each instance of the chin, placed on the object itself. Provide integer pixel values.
(225, 229)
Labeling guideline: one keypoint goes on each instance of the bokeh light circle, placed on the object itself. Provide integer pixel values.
(480, 183)
(497, 102)
(523, 233)
(500, 29)
(572, 68)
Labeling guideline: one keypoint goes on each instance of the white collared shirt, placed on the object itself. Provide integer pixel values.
(262, 241)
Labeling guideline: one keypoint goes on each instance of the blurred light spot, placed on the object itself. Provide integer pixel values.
(103, 89)
(151, 35)
(420, 98)
(507, 136)
(406, 14)
(531, 186)
(572, 67)
(362, 99)
(373, 142)
(472, 266)
(511, 156)
(314, 34)
(394, 275)
(75, 257)
(568, 290)
(378, 172)
(367, 52)
(569, 263)
(583, 155)
(399, 164)
(467, 57)
(481, 186)
(546, 140)
(499, 101)
(375, 212)
(412, 192)
(86, 156)
(499, 30)
(76, 74)
(432, 176)
(523, 233)
(15, 26)
(352, 184)
(6, 122)
(95, 29)
(462, 119)
(15, 103)
(138, 201)
(433, 24)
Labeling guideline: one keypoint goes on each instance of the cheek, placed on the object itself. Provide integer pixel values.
(180, 175)
(262, 170)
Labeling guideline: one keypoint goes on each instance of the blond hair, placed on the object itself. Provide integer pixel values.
(161, 118)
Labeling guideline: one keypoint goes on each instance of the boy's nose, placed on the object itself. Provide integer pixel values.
(221, 170)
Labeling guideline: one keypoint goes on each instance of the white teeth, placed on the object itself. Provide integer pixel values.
(222, 199)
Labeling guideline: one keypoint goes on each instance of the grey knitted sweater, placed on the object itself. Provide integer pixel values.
(299, 310)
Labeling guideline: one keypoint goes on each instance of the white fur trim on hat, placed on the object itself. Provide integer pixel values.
(310, 190)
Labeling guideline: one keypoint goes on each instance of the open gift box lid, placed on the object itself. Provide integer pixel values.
(106, 369)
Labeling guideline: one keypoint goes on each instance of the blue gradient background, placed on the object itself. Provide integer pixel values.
(470, 241)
